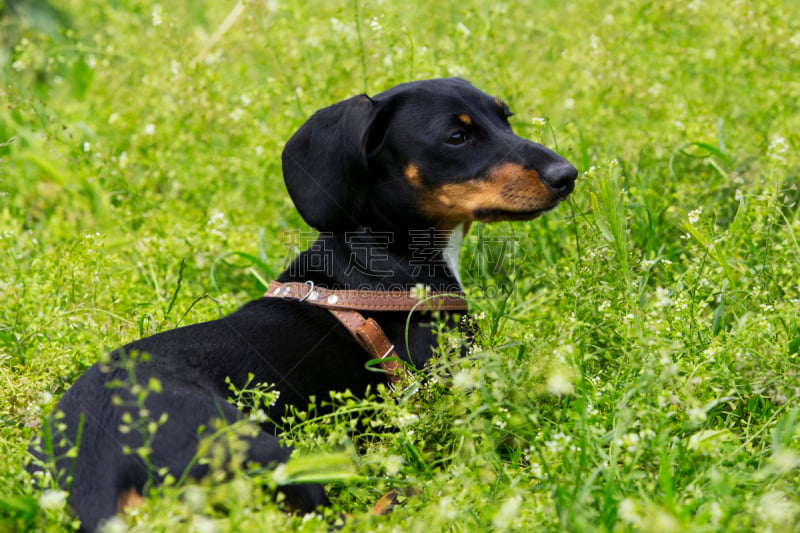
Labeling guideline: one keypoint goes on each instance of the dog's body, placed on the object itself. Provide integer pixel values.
(374, 175)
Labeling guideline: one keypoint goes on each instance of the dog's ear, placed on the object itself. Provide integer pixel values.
(325, 164)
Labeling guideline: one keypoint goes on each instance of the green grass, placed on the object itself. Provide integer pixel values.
(638, 368)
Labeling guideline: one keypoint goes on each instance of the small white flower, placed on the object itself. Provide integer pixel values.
(631, 442)
(281, 474)
(696, 415)
(52, 499)
(237, 114)
(777, 149)
(716, 511)
(457, 70)
(559, 382)
(217, 223)
(694, 216)
(195, 498)
(446, 508)
(338, 26)
(539, 121)
(462, 29)
(784, 460)
(710, 352)
(150, 129)
(393, 464)
(406, 419)
(629, 511)
(258, 416)
(778, 509)
(203, 524)
(464, 380)
(87, 147)
(647, 263)
(420, 291)
(115, 524)
(157, 14)
(647, 434)
(32, 417)
(662, 297)
(507, 514)
(537, 471)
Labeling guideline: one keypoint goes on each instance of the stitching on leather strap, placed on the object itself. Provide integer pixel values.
(367, 300)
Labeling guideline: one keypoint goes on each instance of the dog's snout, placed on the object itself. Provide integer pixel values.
(560, 176)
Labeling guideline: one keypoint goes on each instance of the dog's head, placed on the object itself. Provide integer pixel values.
(439, 152)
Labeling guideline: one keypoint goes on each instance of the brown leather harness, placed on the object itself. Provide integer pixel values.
(346, 304)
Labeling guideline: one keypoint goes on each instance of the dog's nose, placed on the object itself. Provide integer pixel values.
(560, 177)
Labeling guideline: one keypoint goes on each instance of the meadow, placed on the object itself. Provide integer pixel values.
(637, 368)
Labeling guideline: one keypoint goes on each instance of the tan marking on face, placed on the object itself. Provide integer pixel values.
(499, 103)
(412, 175)
(508, 191)
(465, 119)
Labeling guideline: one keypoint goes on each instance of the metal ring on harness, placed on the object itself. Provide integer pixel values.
(310, 285)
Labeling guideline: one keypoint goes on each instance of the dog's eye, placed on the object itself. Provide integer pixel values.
(457, 137)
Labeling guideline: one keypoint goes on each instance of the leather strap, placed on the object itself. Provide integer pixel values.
(365, 300)
(345, 304)
(372, 338)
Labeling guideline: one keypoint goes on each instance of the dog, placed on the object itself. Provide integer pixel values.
(392, 182)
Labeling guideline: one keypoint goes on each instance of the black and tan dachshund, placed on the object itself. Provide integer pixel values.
(374, 175)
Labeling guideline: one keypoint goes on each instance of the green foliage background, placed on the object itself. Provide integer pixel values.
(639, 365)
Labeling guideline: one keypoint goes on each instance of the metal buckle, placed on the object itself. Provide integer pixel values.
(310, 285)
(410, 383)
(408, 373)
